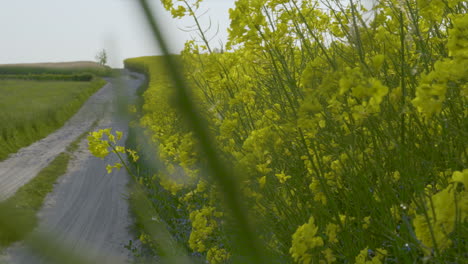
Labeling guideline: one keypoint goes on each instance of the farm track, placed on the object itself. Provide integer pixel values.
(87, 211)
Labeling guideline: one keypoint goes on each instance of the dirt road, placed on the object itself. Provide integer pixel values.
(87, 210)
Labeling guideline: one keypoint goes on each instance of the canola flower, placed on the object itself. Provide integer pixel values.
(305, 239)
(444, 211)
(102, 142)
(342, 121)
(217, 256)
(364, 258)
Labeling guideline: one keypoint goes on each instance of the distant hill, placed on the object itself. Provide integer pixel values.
(71, 64)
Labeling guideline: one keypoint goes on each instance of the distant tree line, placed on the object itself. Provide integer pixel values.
(85, 77)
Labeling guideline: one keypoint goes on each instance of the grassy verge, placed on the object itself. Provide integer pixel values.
(33, 109)
(173, 220)
(28, 200)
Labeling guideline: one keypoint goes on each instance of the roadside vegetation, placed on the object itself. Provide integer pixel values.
(33, 106)
(340, 133)
(142, 208)
(149, 164)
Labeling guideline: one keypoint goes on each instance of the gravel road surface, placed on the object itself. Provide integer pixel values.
(87, 211)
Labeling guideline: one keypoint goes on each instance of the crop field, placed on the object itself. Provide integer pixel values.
(324, 133)
(59, 68)
(31, 109)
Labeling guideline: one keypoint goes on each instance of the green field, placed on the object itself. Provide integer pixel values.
(58, 68)
(30, 109)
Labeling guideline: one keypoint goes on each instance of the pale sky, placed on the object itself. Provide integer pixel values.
(73, 30)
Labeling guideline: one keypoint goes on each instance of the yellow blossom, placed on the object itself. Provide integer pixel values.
(331, 232)
(364, 258)
(282, 178)
(217, 255)
(120, 149)
(262, 181)
(433, 229)
(109, 168)
(119, 134)
(329, 257)
(304, 240)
